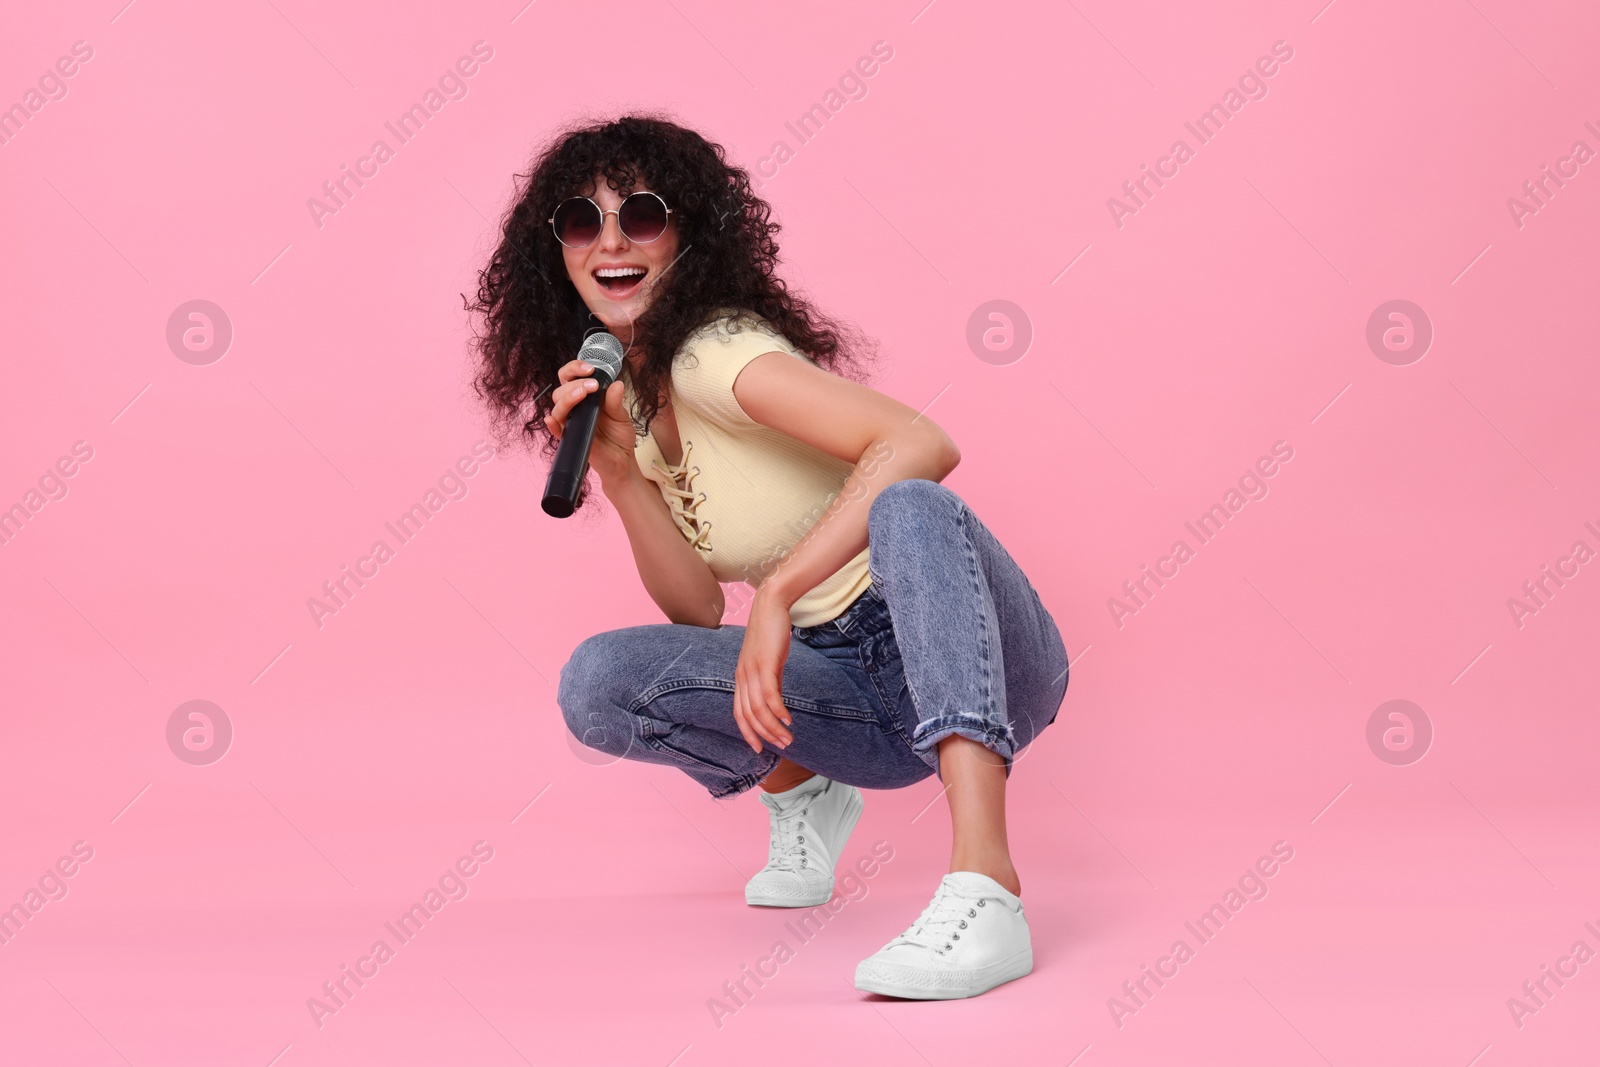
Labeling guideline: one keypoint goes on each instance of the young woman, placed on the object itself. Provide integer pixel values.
(890, 636)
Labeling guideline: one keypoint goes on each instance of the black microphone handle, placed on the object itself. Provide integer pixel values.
(572, 455)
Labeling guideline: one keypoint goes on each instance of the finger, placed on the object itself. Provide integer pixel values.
(765, 722)
(569, 394)
(564, 399)
(776, 707)
(769, 694)
(778, 717)
(739, 719)
(764, 726)
(575, 368)
(745, 693)
(614, 401)
(779, 709)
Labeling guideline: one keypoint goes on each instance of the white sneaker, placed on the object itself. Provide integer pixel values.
(810, 824)
(971, 938)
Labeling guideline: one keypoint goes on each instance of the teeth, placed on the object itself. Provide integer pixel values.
(618, 272)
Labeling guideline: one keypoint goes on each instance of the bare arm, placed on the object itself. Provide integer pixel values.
(677, 579)
(886, 440)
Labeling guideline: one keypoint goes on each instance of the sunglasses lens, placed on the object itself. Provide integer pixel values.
(643, 217)
(577, 222)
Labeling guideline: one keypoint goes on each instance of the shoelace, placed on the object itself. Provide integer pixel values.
(683, 500)
(788, 851)
(941, 922)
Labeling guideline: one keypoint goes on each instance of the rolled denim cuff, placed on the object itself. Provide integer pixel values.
(744, 782)
(996, 737)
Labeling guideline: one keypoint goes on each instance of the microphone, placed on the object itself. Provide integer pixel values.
(603, 352)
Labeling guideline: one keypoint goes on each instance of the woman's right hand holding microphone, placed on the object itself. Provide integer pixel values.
(611, 454)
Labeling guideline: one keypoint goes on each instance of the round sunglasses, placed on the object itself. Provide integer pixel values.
(642, 218)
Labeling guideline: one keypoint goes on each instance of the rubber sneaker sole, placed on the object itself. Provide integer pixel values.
(915, 983)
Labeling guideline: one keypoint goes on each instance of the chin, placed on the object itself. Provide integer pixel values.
(617, 318)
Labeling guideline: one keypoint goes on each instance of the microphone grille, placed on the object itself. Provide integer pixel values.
(604, 351)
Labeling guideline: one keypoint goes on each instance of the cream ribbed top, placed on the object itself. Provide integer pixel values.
(744, 493)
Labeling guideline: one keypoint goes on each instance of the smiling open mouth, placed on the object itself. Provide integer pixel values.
(619, 280)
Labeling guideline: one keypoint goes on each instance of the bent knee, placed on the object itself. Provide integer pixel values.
(584, 694)
(913, 497)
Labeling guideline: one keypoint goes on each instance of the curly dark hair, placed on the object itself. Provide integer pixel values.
(534, 320)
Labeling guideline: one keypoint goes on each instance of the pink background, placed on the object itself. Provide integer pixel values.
(1230, 713)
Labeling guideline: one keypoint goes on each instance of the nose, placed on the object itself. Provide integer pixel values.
(611, 236)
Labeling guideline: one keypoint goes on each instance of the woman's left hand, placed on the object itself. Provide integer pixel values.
(758, 680)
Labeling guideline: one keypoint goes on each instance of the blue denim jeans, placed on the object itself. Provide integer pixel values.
(950, 638)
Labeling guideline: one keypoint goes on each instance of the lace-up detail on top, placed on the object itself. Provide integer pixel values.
(763, 487)
(810, 825)
(788, 850)
(684, 500)
(940, 925)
